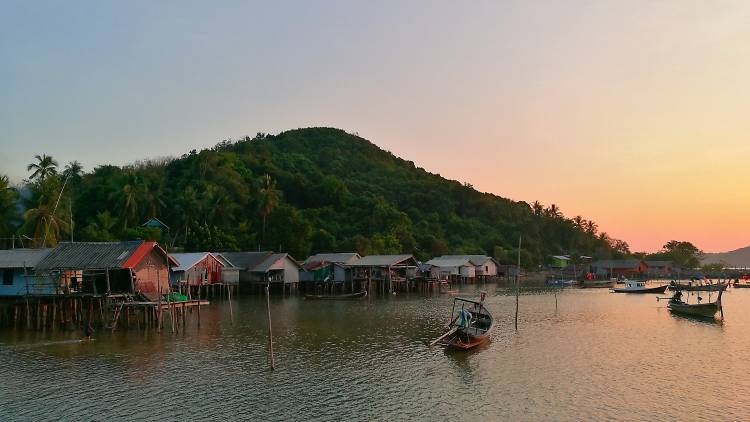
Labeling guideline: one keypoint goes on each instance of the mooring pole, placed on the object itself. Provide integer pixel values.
(231, 314)
(518, 277)
(270, 330)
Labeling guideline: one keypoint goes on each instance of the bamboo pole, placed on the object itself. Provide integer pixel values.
(270, 329)
(231, 313)
(518, 277)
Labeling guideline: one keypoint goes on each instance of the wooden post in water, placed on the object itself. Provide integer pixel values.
(231, 313)
(270, 330)
(518, 277)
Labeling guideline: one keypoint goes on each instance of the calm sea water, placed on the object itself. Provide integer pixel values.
(598, 356)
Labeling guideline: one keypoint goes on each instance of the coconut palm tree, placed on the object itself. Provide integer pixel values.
(590, 227)
(553, 211)
(269, 199)
(129, 198)
(43, 219)
(73, 170)
(8, 213)
(45, 166)
(537, 208)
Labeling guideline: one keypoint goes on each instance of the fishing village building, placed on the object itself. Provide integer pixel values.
(451, 268)
(17, 269)
(328, 271)
(260, 269)
(631, 268)
(230, 274)
(99, 283)
(196, 268)
(134, 267)
(464, 268)
(659, 268)
(387, 273)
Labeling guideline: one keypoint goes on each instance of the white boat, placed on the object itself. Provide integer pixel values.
(637, 286)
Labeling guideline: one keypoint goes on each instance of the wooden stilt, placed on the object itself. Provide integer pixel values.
(270, 329)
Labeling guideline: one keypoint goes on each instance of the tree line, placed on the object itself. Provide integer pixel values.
(302, 191)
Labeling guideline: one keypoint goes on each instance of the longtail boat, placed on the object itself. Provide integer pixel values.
(634, 286)
(471, 324)
(677, 306)
(348, 296)
(718, 287)
(590, 284)
(741, 285)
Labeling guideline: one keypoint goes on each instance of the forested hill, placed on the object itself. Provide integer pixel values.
(305, 191)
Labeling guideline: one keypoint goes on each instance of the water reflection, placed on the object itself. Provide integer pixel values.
(593, 356)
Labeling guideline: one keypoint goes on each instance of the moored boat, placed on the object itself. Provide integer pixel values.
(357, 295)
(636, 286)
(741, 285)
(708, 310)
(717, 287)
(471, 324)
(597, 284)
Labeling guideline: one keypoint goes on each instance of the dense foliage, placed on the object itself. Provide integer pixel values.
(302, 191)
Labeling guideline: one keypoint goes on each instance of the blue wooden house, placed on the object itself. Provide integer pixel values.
(17, 268)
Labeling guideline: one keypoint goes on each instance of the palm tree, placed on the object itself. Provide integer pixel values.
(73, 170)
(46, 225)
(8, 212)
(590, 227)
(553, 211)
(188, 206)
(578, 221)
(45, 166)
(269, 199)
(129, 198)
(537, 208)
(152, 199)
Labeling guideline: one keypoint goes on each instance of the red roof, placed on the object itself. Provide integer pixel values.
(142, 251)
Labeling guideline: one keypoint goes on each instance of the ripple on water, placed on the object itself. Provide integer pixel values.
(596, 357)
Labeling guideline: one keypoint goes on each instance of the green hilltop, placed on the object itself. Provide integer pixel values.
(302, 191)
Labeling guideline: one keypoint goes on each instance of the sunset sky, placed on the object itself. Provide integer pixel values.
(633, 114)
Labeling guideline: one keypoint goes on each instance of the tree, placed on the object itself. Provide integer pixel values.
(102, 229)
(45, 166)
(129, 199)
(269, 199)
(553, 211)
(590, 227)
(682, 254)
(73, 170)
(537, 208)
(42, 219)
(8, 210)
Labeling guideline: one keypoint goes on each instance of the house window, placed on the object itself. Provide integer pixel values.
(8, 278)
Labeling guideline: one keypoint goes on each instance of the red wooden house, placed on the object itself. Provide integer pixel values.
(196, 268)
(109, 267)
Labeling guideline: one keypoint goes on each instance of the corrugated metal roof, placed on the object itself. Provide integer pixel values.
(474, 259)
(381, 260)
(89, 255)
(246, 260)
(188, 260)
(270, 263)
(617, 263)
(342, 258)
(224, 260)
(659, 263)
(449, 261)
(22, 258)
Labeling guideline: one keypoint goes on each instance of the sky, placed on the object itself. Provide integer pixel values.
(634, 114)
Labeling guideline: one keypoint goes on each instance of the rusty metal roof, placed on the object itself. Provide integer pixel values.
(88, 255)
